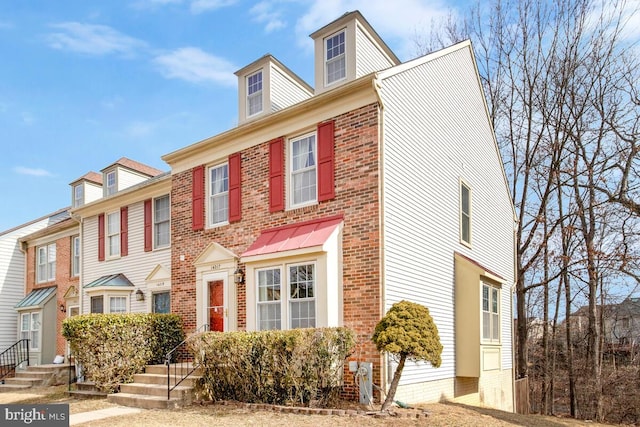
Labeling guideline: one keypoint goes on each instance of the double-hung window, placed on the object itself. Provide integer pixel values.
(465, 213)
(219, 195)
(490, 313)
(75, 256)
(111, 183)
(335, 64)
(254, 93)
(292, 302)
(78, 196)
(30, 329)
(161, 221)
(97, 304)
(117, 304)
(46, 263)
(303, 166)
(113, 234)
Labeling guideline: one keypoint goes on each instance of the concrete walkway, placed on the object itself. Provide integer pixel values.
(84, 417)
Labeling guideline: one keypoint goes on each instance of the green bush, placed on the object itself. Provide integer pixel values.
(292, 367)
(111, 348)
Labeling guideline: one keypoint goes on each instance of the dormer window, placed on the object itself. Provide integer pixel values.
(335, 64)
(254, 93)
(111, 183)
(78, 196)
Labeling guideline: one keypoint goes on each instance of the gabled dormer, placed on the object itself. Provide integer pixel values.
(346, 49)
(86, 189)
(125, 173)
(266, 86)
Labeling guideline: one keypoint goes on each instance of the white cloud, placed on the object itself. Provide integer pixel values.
(31, 171)
(27, 118)
(196, 66)
(199, 6)
(264, 13)
(92, 39)
(396, 21)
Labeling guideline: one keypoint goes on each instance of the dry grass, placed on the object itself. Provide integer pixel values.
(440, 414)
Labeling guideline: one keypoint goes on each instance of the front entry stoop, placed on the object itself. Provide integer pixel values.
(149, 390)
(39, 376)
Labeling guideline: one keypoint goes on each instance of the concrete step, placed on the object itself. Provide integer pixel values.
(87, 394)
(8, 388)
(176, 368)
(85, 385)
(32, 373)
(162, 379)
(180, 392)
(25, 381)
(145, 402)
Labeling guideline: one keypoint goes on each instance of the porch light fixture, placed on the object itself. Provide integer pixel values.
(139, 295)
(63, 309)
(238, 276)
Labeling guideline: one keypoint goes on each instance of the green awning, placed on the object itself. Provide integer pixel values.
(111, 280)
(36, 298)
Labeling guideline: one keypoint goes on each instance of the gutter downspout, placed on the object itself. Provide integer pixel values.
(513, 337)
(385, 370)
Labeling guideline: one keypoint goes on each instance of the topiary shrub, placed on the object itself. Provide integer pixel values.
(111, 348)
(293, 367)
(408, 332)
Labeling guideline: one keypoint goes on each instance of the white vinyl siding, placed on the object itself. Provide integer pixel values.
(369, 57)
(137, 265)
(12, 268)
(284, 90)
(421, 193)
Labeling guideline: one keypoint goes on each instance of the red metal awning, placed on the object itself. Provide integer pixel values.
(295, 236)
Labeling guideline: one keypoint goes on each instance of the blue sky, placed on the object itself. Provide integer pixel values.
(83, 83)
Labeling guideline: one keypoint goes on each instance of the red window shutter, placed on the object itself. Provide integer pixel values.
(148, 243)
(235, 193)
(124, 231)
(326, 162)
(101, 237)
(276, 175)
(197, 198)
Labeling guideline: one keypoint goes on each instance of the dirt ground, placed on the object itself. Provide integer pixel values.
(207, 414)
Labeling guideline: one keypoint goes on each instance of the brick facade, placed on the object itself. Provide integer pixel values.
(356, 198)
(63, 281)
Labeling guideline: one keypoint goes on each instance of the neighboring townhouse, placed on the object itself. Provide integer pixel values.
(125, 234)
(325, 206)
(621, 324)
(12, 273)
(52, 277)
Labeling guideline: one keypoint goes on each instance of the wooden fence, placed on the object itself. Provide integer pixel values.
(522, 395)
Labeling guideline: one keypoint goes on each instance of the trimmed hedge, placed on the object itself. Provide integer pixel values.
(111, 348)
(295, 367)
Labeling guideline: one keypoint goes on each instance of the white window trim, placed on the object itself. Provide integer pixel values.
(50, 268)
(326, 61)
(285, 298)
(107, 294)
(491, 339)
(109, 190)
(209, 208)
(257, 94)
(290, 172)
(108, 236)
(155, 223)
(75, 256)
(78, 195)
(33, 345)
(464, 184)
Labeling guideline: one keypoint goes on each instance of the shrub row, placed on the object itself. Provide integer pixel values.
(111, 348)
(295, 367)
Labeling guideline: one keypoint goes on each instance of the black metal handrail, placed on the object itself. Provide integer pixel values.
(186, 363)
(12, 357)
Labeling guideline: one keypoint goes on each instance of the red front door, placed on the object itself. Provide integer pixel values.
(216, 306)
